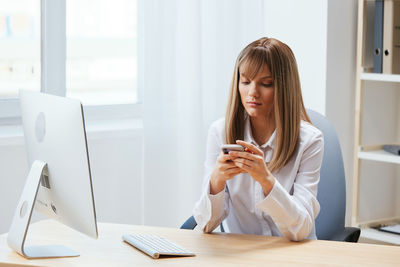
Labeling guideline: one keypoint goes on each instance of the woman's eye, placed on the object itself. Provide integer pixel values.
(267, 84)
(245, 82)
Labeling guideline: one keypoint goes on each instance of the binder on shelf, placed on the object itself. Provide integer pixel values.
(391, 37)
(378, 36)
(394, 149)
(393, 228)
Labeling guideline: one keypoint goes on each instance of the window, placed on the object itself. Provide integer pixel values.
(19, 46)
(101, 51)
(88, 52)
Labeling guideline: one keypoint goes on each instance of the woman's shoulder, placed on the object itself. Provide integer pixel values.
(217, 130)
(309, 128)
(309, 133)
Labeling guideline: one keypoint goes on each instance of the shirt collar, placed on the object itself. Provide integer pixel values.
(248, 136)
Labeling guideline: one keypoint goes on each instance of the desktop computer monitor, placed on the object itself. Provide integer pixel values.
(59, 183)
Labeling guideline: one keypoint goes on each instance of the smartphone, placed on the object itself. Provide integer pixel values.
(230, 147)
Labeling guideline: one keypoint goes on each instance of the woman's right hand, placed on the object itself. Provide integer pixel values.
(224, 170)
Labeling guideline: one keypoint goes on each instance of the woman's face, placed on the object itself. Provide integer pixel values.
(257, 95)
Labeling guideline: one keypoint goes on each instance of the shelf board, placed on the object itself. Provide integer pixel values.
(376, 235)
(379, 155)
(380, 77)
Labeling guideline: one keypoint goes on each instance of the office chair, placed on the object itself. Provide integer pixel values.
(331, 189)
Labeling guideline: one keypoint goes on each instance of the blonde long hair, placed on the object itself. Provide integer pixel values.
(288, 102)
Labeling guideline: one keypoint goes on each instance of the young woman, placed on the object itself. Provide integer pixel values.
(271, 187)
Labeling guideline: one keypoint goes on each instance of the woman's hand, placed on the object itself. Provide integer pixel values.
(252, 162)
(225, 169)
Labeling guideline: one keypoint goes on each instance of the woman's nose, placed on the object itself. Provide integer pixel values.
(253, 90)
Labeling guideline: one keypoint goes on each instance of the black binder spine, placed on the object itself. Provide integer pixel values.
(378, 36)
(394, 149)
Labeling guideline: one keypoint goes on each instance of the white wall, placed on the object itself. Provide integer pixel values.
(116, 165)
(340, 81)
(303, 26)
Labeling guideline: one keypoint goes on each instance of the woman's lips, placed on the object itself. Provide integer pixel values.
(253, 104)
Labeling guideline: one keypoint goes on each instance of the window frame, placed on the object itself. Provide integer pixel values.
(53, 70)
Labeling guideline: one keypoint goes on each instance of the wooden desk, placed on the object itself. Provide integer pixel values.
(219, 249)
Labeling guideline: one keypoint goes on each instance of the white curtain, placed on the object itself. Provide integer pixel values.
(187, 52)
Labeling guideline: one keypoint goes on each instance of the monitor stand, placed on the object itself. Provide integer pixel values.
(22, 217)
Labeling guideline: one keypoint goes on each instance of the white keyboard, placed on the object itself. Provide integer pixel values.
(155, 246)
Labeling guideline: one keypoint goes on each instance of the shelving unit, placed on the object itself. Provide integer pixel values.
(379, 155)
(380, 77)
(382, 237)
(376, 153)
(363, 152)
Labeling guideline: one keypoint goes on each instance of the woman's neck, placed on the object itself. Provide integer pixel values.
(262, 129)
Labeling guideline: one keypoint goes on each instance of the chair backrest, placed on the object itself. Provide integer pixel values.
(332, 185)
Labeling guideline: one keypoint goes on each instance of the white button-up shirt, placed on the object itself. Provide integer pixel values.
(288, 210)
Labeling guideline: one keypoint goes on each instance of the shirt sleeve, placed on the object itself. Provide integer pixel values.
(211, 210)
(294, 214)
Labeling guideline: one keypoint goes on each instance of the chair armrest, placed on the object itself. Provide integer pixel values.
(189, 224)
(349, 234)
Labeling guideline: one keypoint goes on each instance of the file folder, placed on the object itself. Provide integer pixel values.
(394, 149)
(391, 37)
(378, 36)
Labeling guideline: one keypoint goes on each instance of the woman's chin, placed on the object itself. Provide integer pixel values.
(255, 114)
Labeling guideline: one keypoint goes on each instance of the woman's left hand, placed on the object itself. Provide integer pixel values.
(252, 161)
